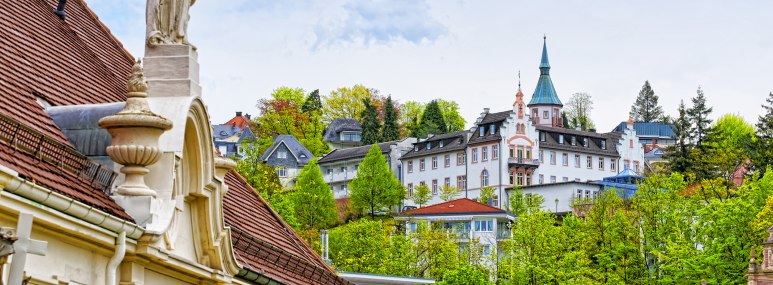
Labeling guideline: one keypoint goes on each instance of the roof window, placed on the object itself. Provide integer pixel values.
(491, 128)
(429, 145)
(482, 131)
(441, 144)
(561, 138)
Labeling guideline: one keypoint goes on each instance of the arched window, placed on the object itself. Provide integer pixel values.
(484, 178)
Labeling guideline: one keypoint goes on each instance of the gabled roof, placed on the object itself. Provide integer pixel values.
(545, 93)
(552, 141)
(72, 62)
(490, 118)
(451, 142)
(458, 206)
(355, 152)
(648, 129)
(301, 154)
(239, 121)
(339, 125)
(263, 243)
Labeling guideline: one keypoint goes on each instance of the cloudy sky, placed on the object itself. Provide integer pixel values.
(471, 51)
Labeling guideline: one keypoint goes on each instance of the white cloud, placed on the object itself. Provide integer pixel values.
(379, 22)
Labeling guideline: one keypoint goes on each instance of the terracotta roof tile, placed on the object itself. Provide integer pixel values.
(71, 62)
(458, 206)
(238, 121)
(264, 243)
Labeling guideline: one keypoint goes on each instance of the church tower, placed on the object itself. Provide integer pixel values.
(545, 105)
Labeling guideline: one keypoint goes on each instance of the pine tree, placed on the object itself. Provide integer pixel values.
(375, 188)
(762, 152)
(567, 123)
(370, 123)
(698, 115)
(315, 205)
(646, 108)
(312, 103)
(390, 131)
(679, 158)
(432, 121)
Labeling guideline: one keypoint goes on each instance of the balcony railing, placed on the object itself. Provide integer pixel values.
(520, 161)
(504, 234)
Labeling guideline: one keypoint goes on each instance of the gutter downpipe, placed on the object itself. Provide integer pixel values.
(112, 265)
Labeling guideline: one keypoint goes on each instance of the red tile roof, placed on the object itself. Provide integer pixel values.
(458, 206)
(264, 243)
(71, 62)
(239, 122)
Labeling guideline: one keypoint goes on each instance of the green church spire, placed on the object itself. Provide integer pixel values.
(545, 93)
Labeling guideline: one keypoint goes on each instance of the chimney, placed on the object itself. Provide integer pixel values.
(238, 114)
(60, 9)
(249, 117)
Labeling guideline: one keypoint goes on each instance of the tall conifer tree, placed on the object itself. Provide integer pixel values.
(375, 188)
(679, 158)
(314, 203)
(646, 108)
(390, 131)
(312, 103)
(762, 155)
(698, 115)
(432, 121)
(370, 124)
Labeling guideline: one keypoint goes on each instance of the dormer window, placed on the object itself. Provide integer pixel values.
(441, 144)
(429, 145)
(561, 139)
(482, 131)
(574, 140)
(603, 144)
(492, 129)
(415, 147)
(585, 142)
(542, 136)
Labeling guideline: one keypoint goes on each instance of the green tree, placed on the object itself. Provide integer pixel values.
(282, 115)
(679, 158)
(486, 195)
(422, 195)
(531, 255)
(726, 146)
(316, 207)
(699, 118)
(390, 131)
(578, 110)
(345, 102)
(361, 246)
(432, 121)
(312, 103)
(453, 120)
(762, 152)
(264, 179)
(370, 123)
(465, 275)
(437, 253)
(375, 187)
(646, 107)
(284, 205)
(409, 118)
(448, 193)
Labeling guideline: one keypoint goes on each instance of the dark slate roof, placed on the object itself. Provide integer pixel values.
(355, 152)
(293, 145)
(80, 124)
(490, 118)
(594, 145)
(496, 117)
(338, 125)
(221, 132)
(545, 93)
(645, 129)
(451, 142)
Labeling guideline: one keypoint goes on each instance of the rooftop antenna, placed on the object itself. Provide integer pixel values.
(519, 80)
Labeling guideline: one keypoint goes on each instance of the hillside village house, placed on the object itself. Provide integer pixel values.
(466, 220)
(524, 146)
(288, 156)
(340, 166)
(107, 185)
(229, 137)
(343, 133)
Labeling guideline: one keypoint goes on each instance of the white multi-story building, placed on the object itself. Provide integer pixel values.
(526, 145)
(340, 166)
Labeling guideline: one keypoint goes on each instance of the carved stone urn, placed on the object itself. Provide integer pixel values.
(135, 131)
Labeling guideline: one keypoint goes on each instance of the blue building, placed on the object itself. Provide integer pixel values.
(288, 156)
(625, 183)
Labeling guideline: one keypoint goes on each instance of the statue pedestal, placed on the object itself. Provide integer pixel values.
(172, 70)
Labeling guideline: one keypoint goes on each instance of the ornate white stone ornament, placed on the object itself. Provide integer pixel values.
(135, 131)
(167, 21)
